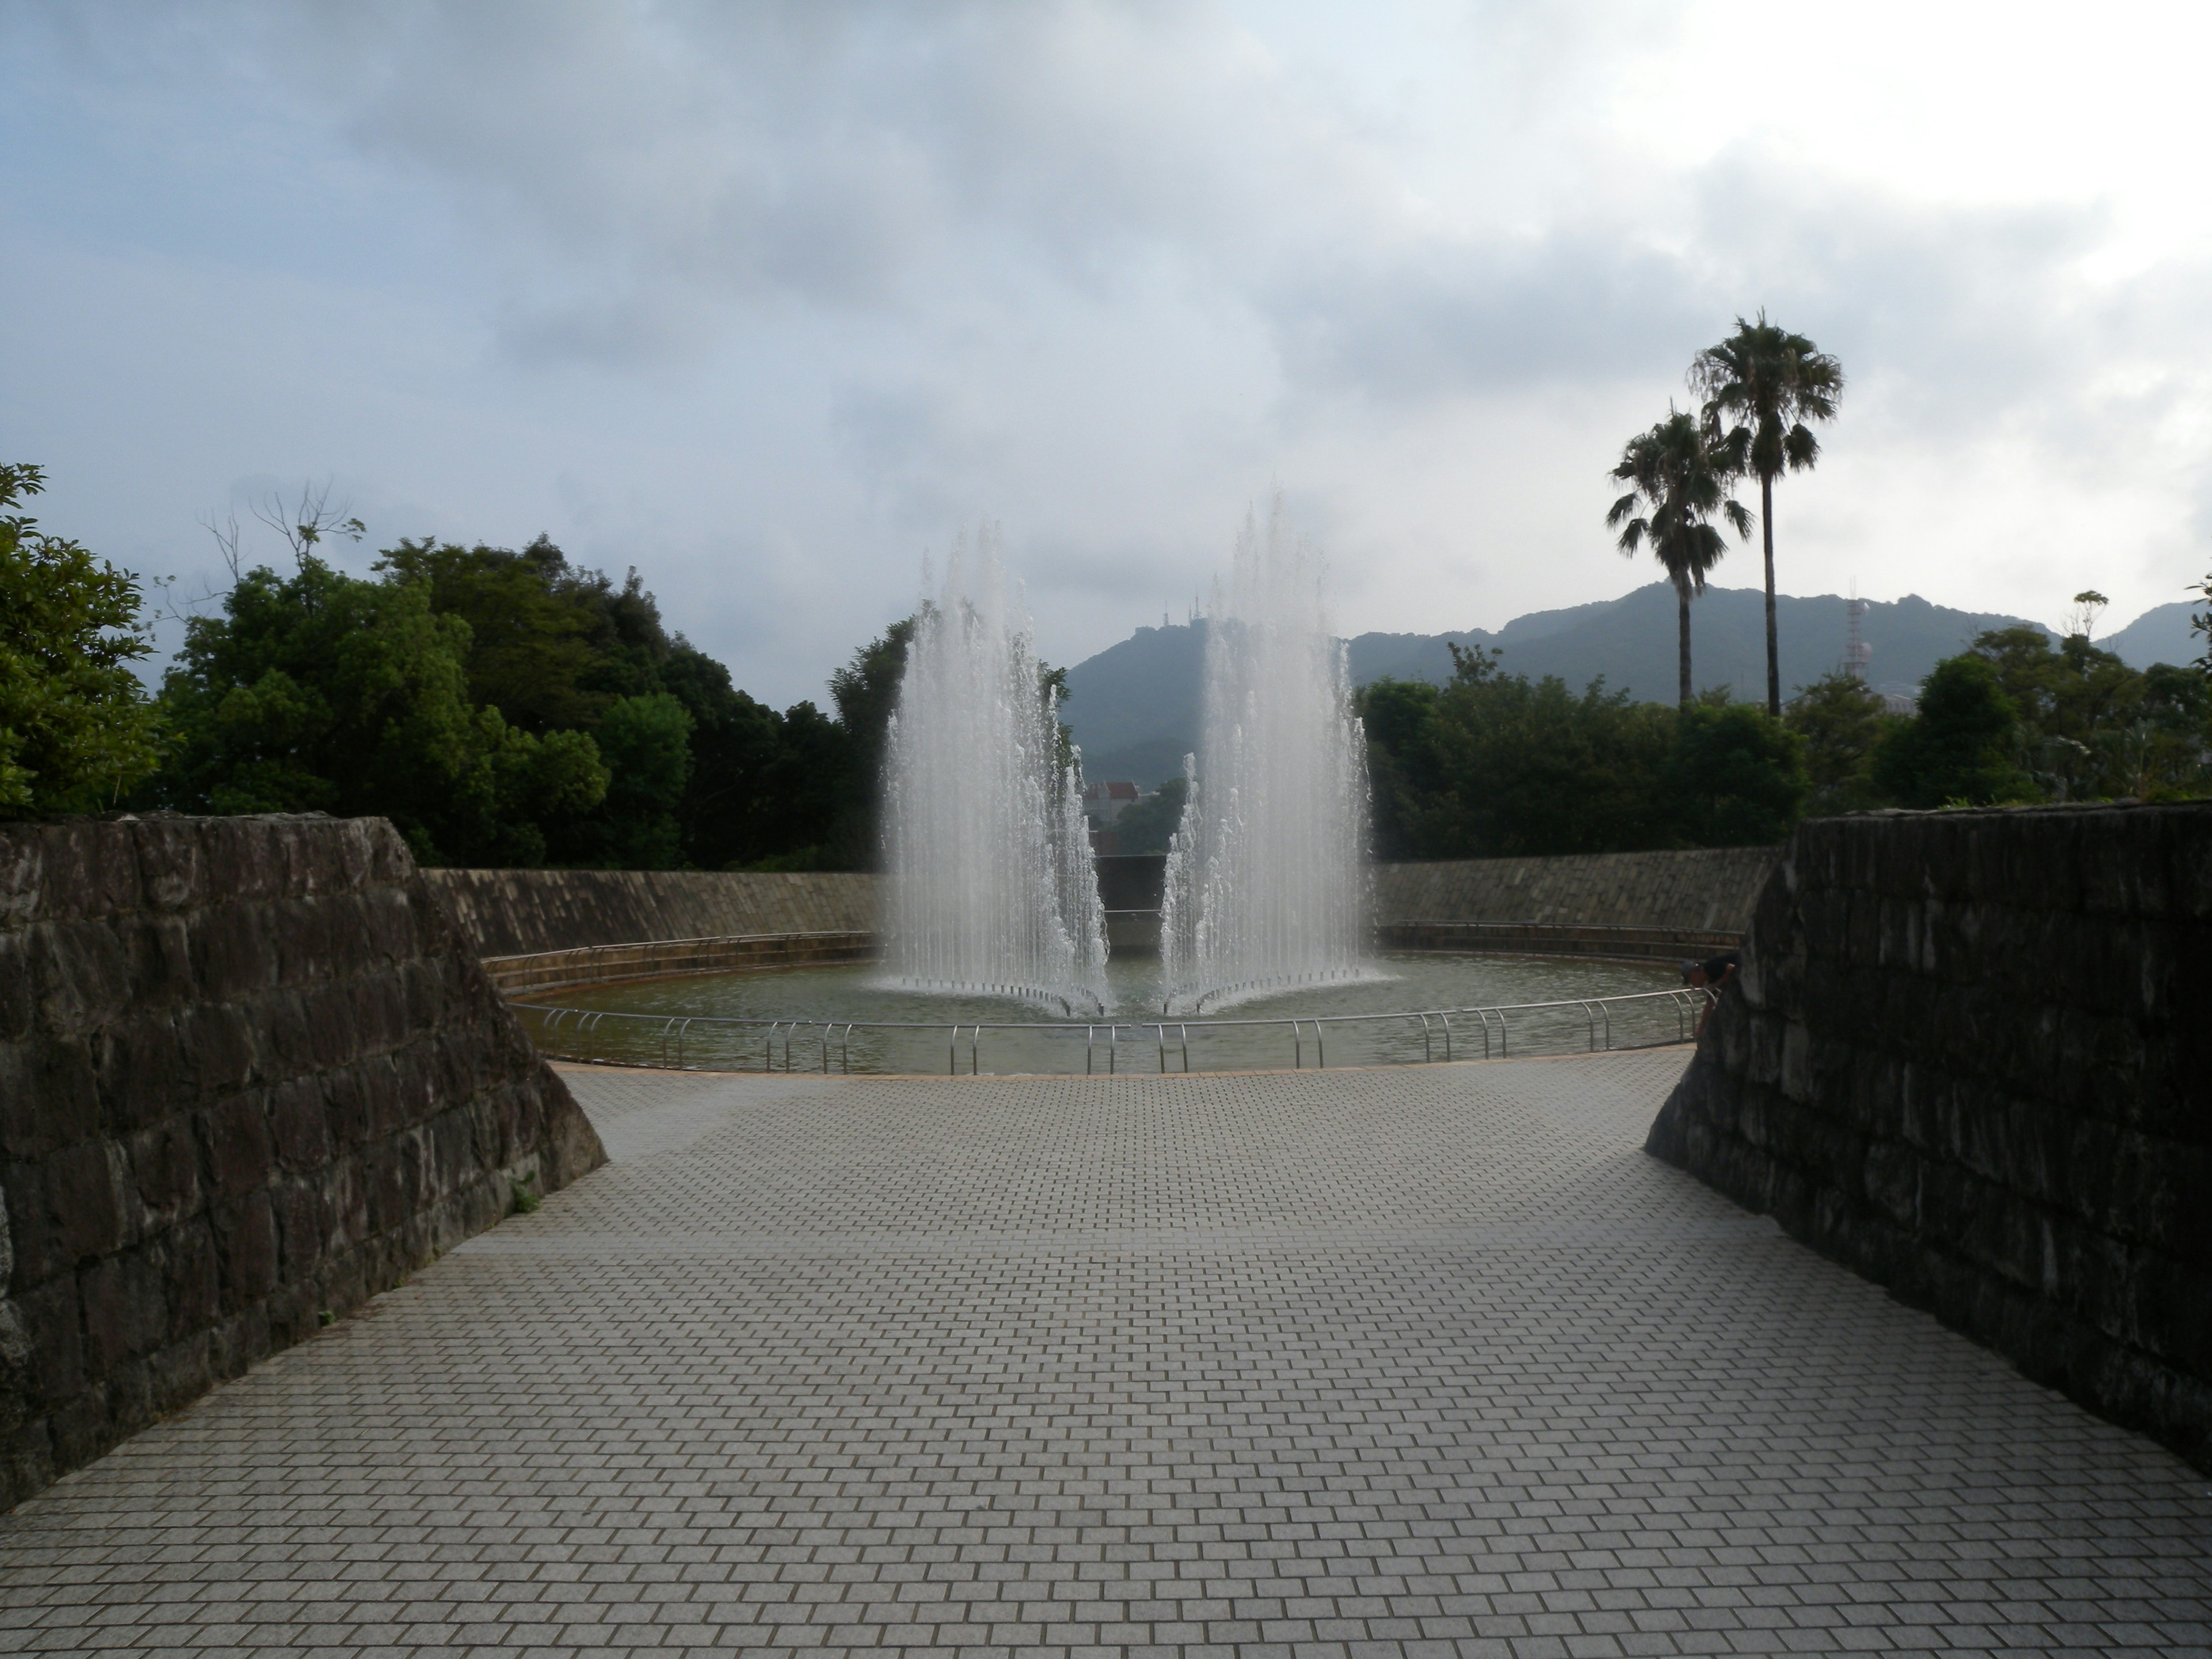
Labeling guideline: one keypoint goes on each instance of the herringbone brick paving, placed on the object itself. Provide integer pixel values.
(1348, 1366)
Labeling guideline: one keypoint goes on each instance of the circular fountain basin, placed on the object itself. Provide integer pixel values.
(851, 1019)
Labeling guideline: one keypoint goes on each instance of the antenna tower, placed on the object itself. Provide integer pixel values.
(1856, 651)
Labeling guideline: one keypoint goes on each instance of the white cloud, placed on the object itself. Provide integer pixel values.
(766, 299)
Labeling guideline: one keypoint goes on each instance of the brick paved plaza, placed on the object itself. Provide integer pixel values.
(1424, 1362)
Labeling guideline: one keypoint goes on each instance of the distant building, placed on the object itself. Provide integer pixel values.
(1102, 803)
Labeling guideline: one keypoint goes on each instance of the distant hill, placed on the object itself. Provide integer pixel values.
(1135, 707)
(2159, 635)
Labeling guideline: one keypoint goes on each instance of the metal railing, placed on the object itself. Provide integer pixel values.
(678, 1042)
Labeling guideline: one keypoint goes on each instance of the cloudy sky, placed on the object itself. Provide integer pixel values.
(769, 299)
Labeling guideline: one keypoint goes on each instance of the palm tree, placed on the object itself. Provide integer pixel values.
(1769, 383)
(1677, 476)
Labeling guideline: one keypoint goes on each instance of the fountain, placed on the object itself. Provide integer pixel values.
(1266, 877)
(991, 890)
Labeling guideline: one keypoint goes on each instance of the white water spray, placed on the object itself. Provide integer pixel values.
(1266, 877)
(991, 888)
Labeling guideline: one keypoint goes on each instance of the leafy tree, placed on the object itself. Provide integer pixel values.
(75, 727)
(1677, 481)
(1149, 825)
(538, 632)
(866, 690)
(1402, 773)
(1842, 723)
(325, 692)
(1959, 747)
(1528, 768)
(1738, 776)
(1761, 386)
(647, 745)
(2090, 726)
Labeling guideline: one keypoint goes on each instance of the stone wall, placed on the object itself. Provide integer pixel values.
(510, 913)
(1971, 1057)
(249, 1075)
(1708, 890)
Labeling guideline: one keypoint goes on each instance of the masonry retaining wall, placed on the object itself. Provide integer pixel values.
(1969, 1055)
(514, 913)
(249, 1075)
(510, 913)
(1706, 890)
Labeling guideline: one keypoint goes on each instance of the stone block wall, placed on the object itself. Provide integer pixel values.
(249, 1075)
(508, 913)
(1707, 890)
(1971, 1057)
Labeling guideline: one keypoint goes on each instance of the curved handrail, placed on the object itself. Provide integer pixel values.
(582, 1027)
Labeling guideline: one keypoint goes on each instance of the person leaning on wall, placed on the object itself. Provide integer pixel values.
(1710, 975)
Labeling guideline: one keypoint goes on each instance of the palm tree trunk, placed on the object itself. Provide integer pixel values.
(1774, 648)
(1682, 604)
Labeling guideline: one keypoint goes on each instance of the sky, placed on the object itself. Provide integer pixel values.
(770, 300)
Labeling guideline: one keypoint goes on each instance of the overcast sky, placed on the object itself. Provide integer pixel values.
(769, 299)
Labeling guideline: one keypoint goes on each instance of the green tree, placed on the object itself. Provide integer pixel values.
(646, 742)
(1959, 747)
(326, 692)
(1513, 766)
(1678, 481)
(1737, 777)
(1842, 723)
(77, 729)
(866, 690)
(1149, 825)
(2090, 726)
(1762, 385)
(1403, 780)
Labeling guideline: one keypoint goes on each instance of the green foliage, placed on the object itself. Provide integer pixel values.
(508, 707)
(647, 742)
(77, 729)
(1149, 825)
(1762, 385)
(325, 692)
(1958, 748)
(2090, 727)
(1494, 765)
(1738, 776)
(1677, 480)
(1842, 723)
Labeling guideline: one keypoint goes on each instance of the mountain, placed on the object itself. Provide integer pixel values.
(1135, 707)
(2159, 635)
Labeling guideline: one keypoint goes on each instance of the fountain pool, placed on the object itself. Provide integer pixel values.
(856, 1019)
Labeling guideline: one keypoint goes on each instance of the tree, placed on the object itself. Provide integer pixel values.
(866, 690)
(2090, 726)
(647, 745)
(1842, 723)
(1738, 776)
(1678, 478)
(1149, 825)
(75, 727)
(1958, 748)
(1761, 386)
(322, 691)
(2081, 616)
(1499, 766)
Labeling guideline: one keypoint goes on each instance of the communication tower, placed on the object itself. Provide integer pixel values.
(1856, 651)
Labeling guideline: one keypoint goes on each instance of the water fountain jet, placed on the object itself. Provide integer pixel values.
(1267, 876)
(991, 889)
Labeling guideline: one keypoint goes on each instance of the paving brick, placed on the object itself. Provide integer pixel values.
(1393, 1364)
